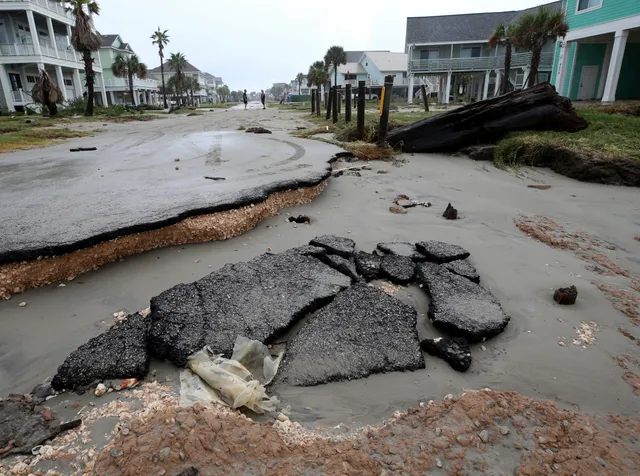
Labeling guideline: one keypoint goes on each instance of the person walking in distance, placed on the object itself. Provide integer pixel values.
(263, 98)
(245, 100)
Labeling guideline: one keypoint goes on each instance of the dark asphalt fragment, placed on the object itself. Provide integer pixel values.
(363, 331)
(22, 427)
(440, 252)
(401, 249)
(335, 245)
(345, 266)
(258, 130)
(301, 219)
(463, 268)
(450, 213)
(308, 250)
(215, 178)
(368, 265)
(459, 306)
(566, 296)
(119, 353)
(397, 269)
(455, 351)
(258, 299)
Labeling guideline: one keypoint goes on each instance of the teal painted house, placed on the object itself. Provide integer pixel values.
(600, 56)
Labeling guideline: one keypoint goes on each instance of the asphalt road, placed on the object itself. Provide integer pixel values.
(61, 201)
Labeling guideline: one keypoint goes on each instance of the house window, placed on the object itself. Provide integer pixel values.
(470, 52)
(429, 54)
(68, 82)
(588, 4)
(31, 79)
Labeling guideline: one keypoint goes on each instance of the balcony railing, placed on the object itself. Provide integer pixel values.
(66, 53)
(124, 83)
(56, 7)
(481, 63)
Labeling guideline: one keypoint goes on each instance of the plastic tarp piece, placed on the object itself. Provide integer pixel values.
(232, 379)
(194, 390)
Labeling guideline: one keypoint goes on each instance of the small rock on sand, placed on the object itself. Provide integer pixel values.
(566, 296)
(450, 213)
(540, 187)
(398, 210)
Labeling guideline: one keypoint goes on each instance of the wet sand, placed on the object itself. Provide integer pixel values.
(520, 271)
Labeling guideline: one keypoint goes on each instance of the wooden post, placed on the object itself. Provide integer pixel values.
(318, 103)
(339, 100)
(361, 104)
(335, 104)
(385, 105)
(329, 101)
(425, 98)
(313, 101)
(347, 104)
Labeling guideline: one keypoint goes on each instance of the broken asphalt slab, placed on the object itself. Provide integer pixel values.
(363, 331)
(119, 353)
(258, 299)
(397, 269)
(401, 249)
(345, 266)
(459, 306)
(440, 252)
(126, 188)
(368, 265)
(463, 268)
(335, 245)
(455, 351)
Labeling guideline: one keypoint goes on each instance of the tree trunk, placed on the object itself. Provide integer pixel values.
(88, 72)
(485, 122)
(535, 64)
(130, 78)
(507, 68)
(164, 89)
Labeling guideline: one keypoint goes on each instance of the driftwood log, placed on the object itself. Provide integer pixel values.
(537, 108)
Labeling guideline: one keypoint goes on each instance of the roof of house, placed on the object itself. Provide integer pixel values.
(464, 27)
(189, 68)
(354, 56)
(107, 41)
(351, 68)
(387, 61)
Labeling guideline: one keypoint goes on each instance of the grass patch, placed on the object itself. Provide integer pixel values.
(369, 151)
(220, 105)
(296, 106)
(609, 136)
(17, 135)
(241, 128)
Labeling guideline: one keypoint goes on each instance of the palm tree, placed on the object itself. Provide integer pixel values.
(317, 75)
(533, 30)
(335, 57)
(85, 40)
(500, 37)
(46, 93)
(191, 84)
(161, 39)
(223, 93)
(177, 63)
(128, 67)
(172, 87)
(299, 78)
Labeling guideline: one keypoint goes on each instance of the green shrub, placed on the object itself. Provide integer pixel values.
(151, 107)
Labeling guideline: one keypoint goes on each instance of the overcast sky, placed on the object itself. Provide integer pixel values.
(253, 44)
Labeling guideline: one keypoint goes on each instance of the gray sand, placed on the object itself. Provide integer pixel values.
(520, 272)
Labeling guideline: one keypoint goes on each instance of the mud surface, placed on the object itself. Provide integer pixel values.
(64, 202)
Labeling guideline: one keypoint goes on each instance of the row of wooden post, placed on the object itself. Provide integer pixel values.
(332, 104)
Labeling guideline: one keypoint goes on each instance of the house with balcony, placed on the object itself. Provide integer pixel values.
(453, 51)
(36, 35)
(600, 56)
(212, 83)
(199, 96)
(372, 67)
(145, 91)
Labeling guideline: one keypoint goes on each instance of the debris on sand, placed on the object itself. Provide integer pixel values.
(632, 378)
(83, 149)
(586, 333)
(398, 210)
(215, 178)
(463, 268)
(450, 213)
(258, 130)
(401, 249)
(623, 300)
(22, 427)
(345, 266)
(397, 269)
(368, 265)
(566, 296)
(325, 350)
(540, 187)
(459, 306)
(301, 219)
(455, 351)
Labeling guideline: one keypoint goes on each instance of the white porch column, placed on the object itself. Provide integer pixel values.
(447, 89)
(485, 91)
(615, 64)
(479, 91)
(34, 33)
(103, 90)
(496, 87)
(113, 98)
(60, 81)
(410, 91)
(6, 89)
(77, 83)
(561, 74)
(605, 69)
(52, 36)
(136, 99)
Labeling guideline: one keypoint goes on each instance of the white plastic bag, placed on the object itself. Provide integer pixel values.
(232, 380)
